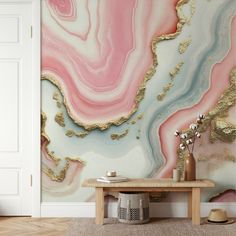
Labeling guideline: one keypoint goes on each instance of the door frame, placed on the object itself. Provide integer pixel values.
(36, 95)
(36, 90)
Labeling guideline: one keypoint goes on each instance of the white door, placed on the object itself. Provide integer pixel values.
(15, 108)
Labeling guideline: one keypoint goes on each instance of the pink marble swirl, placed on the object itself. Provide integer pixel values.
(228, 195)
(70, 184)
(98, 52)
(219, 81)
(65, 9)
(46, 158)
(72, 176)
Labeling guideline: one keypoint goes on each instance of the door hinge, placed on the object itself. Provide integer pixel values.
(31, 180)
(31, 31)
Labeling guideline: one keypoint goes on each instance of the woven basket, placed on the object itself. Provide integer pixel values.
(133, 207)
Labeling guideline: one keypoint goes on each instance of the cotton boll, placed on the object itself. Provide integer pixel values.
(182, 146)
(193, 126)
(198, 135)
(199, 121)
(177, 133)
(183, 136)
(189, 141)
(201, 116)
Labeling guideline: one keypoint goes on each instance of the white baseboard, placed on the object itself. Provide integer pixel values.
(160, 209)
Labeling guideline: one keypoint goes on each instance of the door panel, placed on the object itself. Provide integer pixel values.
(12, 186)
(9, 72)
(16, 108)
(10, 26)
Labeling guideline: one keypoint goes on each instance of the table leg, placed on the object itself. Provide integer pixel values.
(190, 204)
(99, 206)
(196, 206)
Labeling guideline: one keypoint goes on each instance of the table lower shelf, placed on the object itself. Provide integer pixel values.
(194, 195)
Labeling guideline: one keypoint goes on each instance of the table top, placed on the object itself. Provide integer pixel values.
(150, 183)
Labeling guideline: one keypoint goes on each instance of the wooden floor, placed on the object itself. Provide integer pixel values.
(27, 226)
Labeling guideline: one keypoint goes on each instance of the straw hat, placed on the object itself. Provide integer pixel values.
(218, 216)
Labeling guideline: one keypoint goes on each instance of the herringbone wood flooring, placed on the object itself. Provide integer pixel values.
(27, 226)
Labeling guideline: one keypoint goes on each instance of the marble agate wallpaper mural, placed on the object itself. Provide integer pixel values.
(120, 76)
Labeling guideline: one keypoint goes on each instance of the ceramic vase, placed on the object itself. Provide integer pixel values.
(189, 168)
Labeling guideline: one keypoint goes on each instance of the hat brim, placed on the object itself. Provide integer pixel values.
(229, 221)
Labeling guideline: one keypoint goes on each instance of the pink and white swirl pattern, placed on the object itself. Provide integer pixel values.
(99, 51)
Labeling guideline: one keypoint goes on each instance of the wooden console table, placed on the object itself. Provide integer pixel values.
(151, 185)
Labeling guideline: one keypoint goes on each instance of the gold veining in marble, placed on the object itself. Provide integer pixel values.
(140, 117)
(167, 87)
(227, 157)
(165, 90)
(192, 10)
(62, 173)
(219, 111)
(176, 70)
(59, 118)
(223, 130)
(136, 119)
(48, 171)
(71, 133)
(183, 46)
(216, 160)
(119, 136)
(141, 90)
(55, 177)
(55, 159)
(56, 97)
